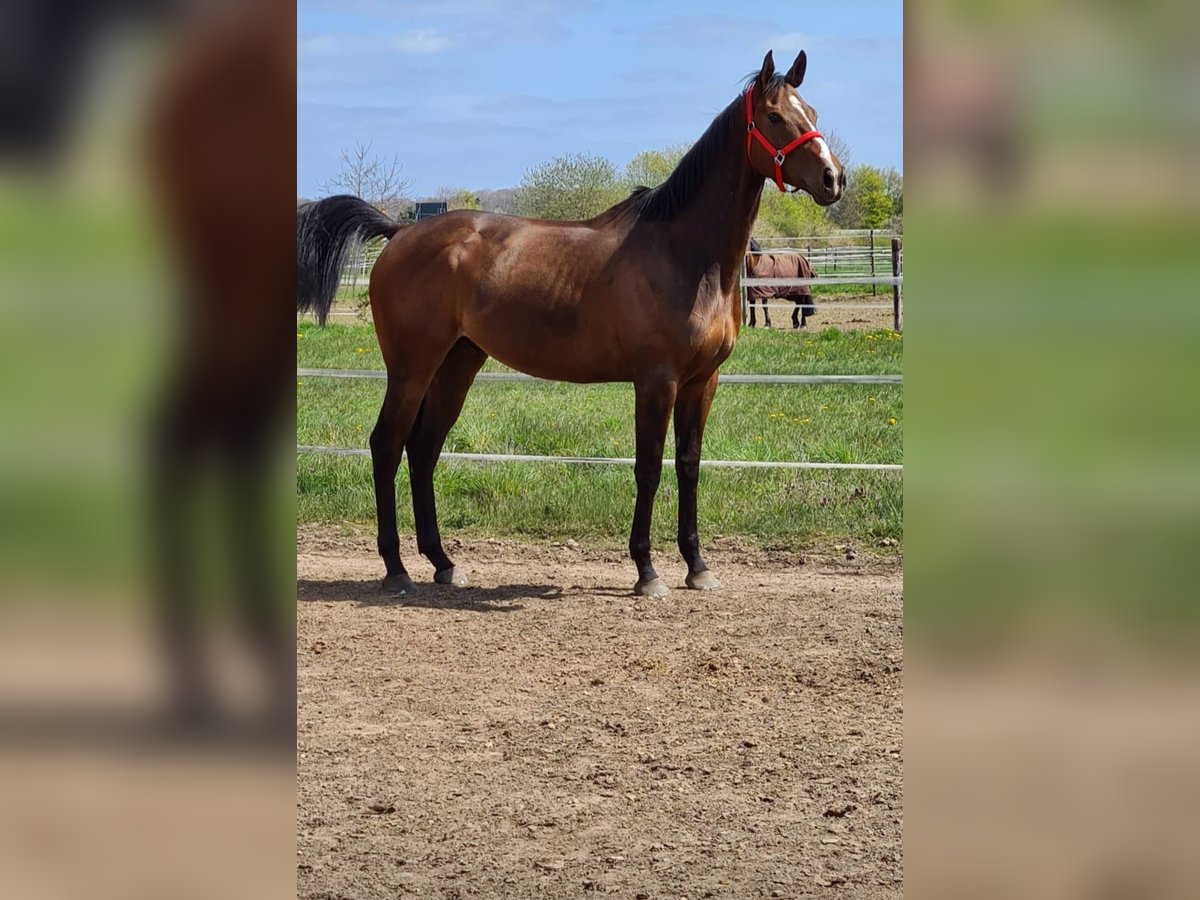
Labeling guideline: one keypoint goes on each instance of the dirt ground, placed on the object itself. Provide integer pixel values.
(544, 733)
(828, 315)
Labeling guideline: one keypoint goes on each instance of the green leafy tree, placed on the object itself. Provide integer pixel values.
(574, 186)
(789, 215)
(867, 202)
(652, 167)
(457, 198)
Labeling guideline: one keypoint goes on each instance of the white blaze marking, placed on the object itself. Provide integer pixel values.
(800, 109)
(826, 156)
(822, 147)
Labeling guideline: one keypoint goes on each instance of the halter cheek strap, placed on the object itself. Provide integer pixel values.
(752, 134)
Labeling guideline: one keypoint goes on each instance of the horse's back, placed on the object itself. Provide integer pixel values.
(543, 297)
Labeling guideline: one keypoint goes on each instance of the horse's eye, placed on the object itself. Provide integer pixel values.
(774, 117)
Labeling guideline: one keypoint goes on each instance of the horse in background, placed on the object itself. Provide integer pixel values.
(779, 265)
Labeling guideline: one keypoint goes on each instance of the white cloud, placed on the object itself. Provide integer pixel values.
(420, 42)
(411, 43)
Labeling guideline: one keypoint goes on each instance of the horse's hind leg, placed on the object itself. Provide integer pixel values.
(387, 446)
(796, 315)
(439, 411)
(405, 390)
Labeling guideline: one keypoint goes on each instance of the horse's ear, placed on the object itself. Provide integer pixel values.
(768, 71)
(795, 75)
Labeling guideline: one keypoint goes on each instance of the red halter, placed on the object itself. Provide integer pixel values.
(778, 155)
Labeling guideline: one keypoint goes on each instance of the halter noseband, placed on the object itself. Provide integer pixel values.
(778, 155)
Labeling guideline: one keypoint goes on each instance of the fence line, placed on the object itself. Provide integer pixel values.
(614, 460)
(816, 247)
(864, 279)
(826, 305)
(889, 280)
(839, 234)
(381, 374)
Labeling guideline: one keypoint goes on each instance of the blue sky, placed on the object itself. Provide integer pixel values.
(474, 92)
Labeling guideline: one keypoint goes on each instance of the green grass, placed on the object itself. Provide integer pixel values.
(841, 423)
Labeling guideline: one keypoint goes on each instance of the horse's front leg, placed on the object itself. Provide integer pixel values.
(653, 403)
(691, 414)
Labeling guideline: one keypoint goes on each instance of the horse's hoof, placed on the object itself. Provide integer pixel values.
(452, 575)
(655, 587)
(399, 584)
(703, 581)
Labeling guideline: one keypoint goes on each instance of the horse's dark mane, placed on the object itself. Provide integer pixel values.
(668, 199)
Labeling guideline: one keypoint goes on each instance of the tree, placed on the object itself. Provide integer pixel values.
(501, 200)
(457, 198)
(651, 168)
(574, 186)
(874, 205)
(840, 147)
(789, 215)
(374, 179)
(894, 183)
(867, 203)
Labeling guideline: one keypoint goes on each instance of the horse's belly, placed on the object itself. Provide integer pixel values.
(557, 341)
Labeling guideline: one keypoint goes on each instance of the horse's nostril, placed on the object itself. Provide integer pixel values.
(842, 179)
(830, 179)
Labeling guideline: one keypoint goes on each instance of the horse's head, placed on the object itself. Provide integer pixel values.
(752, 255)
(787, 146)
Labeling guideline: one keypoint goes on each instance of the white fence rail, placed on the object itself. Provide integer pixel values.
(617, 460)
(889, 280)
(380, 374)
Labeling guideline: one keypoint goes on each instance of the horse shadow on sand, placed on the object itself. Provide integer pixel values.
(504, 598)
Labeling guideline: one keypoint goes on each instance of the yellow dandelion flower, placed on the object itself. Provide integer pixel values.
(300, 335)
(891, 421)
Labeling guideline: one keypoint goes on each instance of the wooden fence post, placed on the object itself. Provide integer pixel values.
(874, 287)
(897, 320)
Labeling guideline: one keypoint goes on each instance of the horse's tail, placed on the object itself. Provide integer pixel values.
(325, 231)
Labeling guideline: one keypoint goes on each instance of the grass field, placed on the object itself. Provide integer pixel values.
(793, 509)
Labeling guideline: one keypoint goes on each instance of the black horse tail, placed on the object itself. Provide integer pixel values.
(325, 231)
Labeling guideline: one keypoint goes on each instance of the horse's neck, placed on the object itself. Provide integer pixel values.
(719, 221)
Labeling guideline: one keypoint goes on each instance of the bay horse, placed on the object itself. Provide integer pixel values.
(780, 265)
(646, 292)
